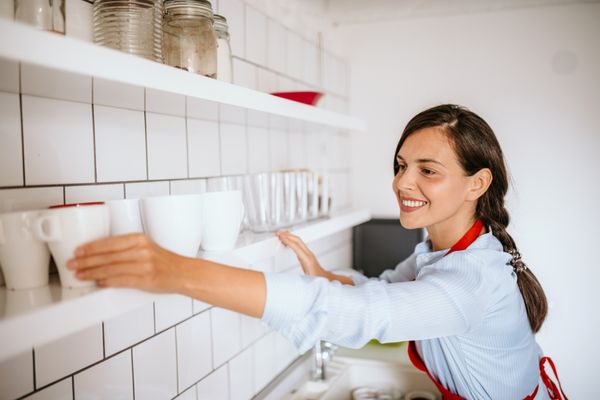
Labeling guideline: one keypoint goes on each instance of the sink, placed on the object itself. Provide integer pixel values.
(382, 368)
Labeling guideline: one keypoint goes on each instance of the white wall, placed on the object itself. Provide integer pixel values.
(534, 75)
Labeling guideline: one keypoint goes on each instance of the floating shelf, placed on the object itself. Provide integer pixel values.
(22, 43)
(33, 317)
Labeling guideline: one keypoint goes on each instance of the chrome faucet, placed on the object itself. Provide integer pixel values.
(323, 353)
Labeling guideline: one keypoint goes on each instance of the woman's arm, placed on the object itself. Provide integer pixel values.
(135, 261)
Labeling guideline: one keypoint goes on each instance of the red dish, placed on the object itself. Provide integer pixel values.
(93, 203)
(310, 98)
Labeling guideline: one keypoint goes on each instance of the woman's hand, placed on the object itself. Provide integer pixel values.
(132, 261)
(307, 259)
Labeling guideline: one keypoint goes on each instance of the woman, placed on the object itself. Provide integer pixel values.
(465, 297)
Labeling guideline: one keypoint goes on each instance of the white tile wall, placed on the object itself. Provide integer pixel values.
(264, 362)
(241, 382)
(120, 144)
(155, 367)
(204, 148)
(171, 309)
(30, 199)
(258, 119)
(67, 355)
(276, 46)
(45, 82)
(87, 193)
(199, 306)
(268, 81)
(128, 329)
(146, 189)
(297, 148)
(111, 379)
(215, 386)
(194, 350)
(234, 11)
(252, 329)
(233, 149)
(294, 55)
(11, 152)
(279, 144)
(58, 140)
(62, 390)
(167, 146)
(232, 114)
(258, 149)
(189, 394)
(165, 103)
(285, 352)
(256, 36)
(9, 76)
(16, 376)
(116, 94)
(227, 341)
(202, 109)
(191, 186)
(244, 74)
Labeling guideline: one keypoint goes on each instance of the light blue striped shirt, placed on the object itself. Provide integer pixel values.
(464, 311)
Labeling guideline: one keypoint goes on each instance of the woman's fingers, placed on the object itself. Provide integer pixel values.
(91, 261)
(107, 271)
(112, 244)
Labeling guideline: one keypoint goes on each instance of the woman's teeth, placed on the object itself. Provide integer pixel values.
(413, 203)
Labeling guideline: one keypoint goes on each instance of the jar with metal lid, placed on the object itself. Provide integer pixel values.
(189, 40)
(224, 62)
(48, 15)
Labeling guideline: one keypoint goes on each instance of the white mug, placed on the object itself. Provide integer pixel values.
(23, 255)
(124, 216)
(419, 395)
(174, 222)
(67, 227)
(222, 215)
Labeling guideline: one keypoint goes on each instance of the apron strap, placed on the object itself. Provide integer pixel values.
(553, 391)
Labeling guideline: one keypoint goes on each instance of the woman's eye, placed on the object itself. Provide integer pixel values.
(428, 171)
(401, 167)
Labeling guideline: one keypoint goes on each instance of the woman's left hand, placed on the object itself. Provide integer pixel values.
(132, 261)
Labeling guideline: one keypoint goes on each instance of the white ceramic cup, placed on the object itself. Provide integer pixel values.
(67, 227)
(222, 215)
(174, 222)
(23, 255)
(124, 216)
(420, 395)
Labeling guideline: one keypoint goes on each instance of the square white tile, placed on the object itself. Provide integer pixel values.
(87, 193)
(170, 309)
(279, 148)
(165, 103)
(52, 83)
(226, 337)
(204, 148)
(233, 149)
(9, 75)
(111, 379)
(120, 144)
(276, 46)
(240, 378)
(244, 74)
(294, 55)
(232, 114)
(264, 361)
(311, 63)
(146, 189)
(59, 144)
(67, 355)
(285, 352)
(128, 329)
(215, 386)
(16, 376)
(11, 150)
(155, 367)
(252, 329)
(30, 198)
(297, 148)
(117, 94)
(79, 21)
(194, 350)
(62, 390)
(202, 109)
(256, 36)
(188, 186)
(258, 149)
(233, 10)
(167, 147)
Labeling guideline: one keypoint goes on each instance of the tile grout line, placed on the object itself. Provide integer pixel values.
(146, 135)
(34, 369)
(103, 343)
(24, 180)
(176, 360)
(132, 373)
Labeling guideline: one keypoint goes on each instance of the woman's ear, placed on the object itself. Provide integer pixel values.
(480, 182)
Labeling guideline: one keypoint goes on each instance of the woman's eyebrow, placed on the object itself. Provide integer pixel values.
(422, 160)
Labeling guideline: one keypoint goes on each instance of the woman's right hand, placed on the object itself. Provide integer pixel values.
(307, 259)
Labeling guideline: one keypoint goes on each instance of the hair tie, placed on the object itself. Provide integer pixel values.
(516, 262)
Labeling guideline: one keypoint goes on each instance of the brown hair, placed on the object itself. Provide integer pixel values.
(477, 147)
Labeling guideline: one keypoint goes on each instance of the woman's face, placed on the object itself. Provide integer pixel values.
(430, 186)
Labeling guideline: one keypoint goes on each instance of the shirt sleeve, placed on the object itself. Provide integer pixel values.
(448, 298)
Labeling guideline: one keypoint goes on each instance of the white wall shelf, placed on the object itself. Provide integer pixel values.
(22, 43)
(29, 318)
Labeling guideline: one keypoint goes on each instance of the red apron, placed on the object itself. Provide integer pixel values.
(416, 360)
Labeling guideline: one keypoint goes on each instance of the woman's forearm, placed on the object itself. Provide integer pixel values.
(340, 278)
(236, 289)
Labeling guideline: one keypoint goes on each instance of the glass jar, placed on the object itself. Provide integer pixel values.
(224, 62)
(48, 15)
(130, 26)
(189, 40)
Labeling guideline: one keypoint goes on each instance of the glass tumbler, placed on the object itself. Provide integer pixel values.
(48, 15)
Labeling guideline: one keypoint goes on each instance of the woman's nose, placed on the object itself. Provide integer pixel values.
(403, 180)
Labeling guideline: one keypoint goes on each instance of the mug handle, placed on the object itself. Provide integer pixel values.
(40, 233)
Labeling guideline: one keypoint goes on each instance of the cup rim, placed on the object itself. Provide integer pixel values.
(91, 203)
